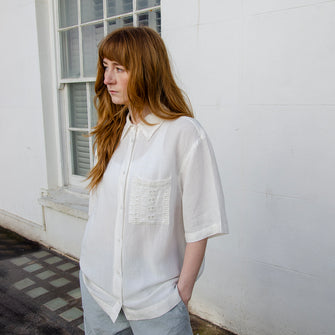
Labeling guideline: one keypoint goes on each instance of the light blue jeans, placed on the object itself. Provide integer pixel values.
(97, 322)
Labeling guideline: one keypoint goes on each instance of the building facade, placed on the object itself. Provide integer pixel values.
(261, 79)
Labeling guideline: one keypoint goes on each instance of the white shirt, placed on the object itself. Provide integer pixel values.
(161, 189)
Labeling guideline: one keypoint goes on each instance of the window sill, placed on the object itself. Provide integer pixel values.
(68, 201)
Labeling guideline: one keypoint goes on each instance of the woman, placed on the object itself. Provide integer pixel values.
(155, 194)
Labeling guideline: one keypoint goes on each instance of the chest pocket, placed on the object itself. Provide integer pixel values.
(150, 201)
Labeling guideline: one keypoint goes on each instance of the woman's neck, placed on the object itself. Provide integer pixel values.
(134, 116)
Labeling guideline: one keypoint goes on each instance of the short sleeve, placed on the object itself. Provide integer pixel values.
(202, 196)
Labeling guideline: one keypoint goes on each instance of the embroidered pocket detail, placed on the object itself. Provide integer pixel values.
(149, 201)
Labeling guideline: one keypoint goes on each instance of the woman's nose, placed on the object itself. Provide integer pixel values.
(109, 78)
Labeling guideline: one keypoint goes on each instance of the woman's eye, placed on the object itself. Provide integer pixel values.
(118, 69)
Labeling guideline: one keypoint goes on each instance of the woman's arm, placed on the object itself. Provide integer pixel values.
(194, 254)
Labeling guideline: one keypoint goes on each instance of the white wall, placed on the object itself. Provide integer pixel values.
(30, 131)
(261, 76)
(22, 145)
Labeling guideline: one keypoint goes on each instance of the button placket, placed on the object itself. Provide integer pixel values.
(123, 188)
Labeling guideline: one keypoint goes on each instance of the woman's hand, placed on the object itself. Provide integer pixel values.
(185, 294)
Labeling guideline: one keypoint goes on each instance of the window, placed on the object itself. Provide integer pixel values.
(81, 26)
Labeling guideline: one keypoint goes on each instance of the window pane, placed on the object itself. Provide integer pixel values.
(91, 10)
(151, 19)
(94, 114)
(78, 105)
(141, 4)
(80, 154)
(68, 13)
(117, 7)
(119, 23)
(70, 53)
(92, 35)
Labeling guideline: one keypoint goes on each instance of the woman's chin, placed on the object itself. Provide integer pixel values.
(117, 101)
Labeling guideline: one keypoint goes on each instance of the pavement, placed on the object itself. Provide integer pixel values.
(40, 294)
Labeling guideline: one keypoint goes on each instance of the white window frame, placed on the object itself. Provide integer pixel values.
(63, 87)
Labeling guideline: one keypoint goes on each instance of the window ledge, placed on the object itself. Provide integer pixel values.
(68, 201)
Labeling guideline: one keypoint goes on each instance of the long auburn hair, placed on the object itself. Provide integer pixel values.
(151, 84)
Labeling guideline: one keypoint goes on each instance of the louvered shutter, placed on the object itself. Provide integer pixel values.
(79, 119)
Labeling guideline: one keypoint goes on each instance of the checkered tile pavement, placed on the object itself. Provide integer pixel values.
(39, 290)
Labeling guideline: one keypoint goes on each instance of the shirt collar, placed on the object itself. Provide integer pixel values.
(148, 130)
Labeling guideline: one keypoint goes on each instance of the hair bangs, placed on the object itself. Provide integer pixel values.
(115, 49)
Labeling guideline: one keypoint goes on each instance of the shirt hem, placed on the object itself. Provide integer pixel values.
(113, 309)
(153, 311)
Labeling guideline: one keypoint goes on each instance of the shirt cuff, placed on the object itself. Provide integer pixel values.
(208, 232)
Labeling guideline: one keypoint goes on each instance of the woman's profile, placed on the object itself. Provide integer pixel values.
(155, 194)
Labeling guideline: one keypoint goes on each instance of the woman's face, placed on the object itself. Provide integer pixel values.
(116, 79)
